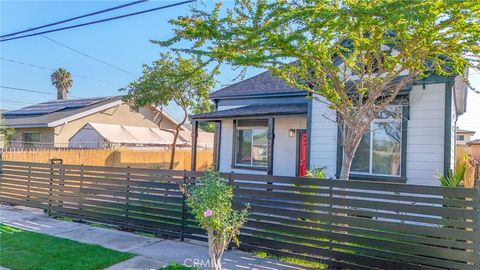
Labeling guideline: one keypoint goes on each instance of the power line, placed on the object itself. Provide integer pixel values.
(89, 56)
(30, 90)
(14, 101)
(74, 18)
(100, 21)
(51, 69)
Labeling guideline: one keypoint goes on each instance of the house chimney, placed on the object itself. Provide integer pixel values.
(61, 94)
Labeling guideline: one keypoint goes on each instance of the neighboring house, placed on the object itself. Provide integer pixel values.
(475, 149)
(463, 136)
(265, 126)
(463, 149)
(53, 123)
(95, 135)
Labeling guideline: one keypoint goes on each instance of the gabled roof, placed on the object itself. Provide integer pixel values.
(55, 113)
(261, 84)
(256, 110)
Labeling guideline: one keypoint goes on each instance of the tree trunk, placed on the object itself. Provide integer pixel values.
(346, 166)
(214, 251)
(174, 147)
(351, 140)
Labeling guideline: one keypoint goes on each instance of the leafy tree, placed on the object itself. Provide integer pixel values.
(6, 132)
(353, 55)
(62, 80)
(205, 108)
(172, 78)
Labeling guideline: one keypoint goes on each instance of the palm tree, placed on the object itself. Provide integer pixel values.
(62, 80)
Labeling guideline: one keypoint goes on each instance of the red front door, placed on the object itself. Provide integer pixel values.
(302, 153)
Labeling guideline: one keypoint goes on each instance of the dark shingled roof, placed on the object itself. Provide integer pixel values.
(256, 110)
(262, 84)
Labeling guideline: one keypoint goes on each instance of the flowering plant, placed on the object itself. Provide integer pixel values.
(210, 200)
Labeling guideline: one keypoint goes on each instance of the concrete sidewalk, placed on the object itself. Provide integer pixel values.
(152, 252)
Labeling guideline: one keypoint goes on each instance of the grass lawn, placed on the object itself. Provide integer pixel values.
(176, 266)
(20, 249)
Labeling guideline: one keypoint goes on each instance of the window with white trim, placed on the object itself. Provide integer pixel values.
(380, 150)
(251, 140)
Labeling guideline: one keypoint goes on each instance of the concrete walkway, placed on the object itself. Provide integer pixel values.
(152, 252)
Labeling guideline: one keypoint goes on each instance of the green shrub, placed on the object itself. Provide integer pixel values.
(210, 199)
(453, 178)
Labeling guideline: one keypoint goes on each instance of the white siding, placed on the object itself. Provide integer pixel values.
(323, 140)
(425, 134)
(285, 148)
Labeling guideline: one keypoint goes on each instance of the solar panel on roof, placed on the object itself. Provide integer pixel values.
(56, 105)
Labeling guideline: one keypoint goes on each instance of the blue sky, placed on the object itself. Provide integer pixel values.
(123, 43)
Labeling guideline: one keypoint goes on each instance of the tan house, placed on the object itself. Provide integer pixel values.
(463, 136)
(53, 123)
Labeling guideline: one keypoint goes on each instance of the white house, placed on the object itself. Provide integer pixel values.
(265, 126)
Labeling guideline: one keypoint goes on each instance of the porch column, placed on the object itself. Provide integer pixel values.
(216, 144)
(194, 145)
(271, 139)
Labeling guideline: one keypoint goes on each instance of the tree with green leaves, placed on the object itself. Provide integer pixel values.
(205, 108)
(172, 78)
(6, 132)
(353, 55)
(62, 80)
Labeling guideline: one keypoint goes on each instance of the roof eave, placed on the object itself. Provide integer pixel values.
(284, 94)
(246, 117)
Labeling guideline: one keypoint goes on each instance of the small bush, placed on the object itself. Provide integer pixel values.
(210, 199)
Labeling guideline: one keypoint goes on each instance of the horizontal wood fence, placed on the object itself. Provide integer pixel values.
(121, 157)
(351, 224)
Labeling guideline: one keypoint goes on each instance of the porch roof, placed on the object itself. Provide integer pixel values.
(256, 110)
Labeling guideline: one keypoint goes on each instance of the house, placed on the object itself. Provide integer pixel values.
(463, 136)
(462, 139)
(264, 126)
(475, 149)
(95, 135)
(53, 123)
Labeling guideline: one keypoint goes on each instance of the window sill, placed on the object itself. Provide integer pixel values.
(253, 168)
(380, 178)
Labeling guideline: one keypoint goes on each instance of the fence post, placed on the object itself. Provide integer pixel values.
(50, 190)
(184, 208)
(230, 179)
(476, 222)
(80, 195)
(29, 179)
(127, 197)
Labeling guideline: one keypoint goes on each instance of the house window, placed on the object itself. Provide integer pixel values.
(31, 139)
(380, 150)
(461, 137)
(251, 143)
